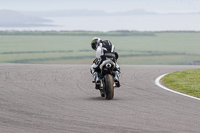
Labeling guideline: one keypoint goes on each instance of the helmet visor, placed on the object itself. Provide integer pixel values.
(93, 45)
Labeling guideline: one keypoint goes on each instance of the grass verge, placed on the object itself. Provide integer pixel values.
(187, 82)
(134, 48)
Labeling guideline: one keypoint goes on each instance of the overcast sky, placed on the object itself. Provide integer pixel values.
(161, 6)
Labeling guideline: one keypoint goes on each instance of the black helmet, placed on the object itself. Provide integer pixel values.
(95, 42)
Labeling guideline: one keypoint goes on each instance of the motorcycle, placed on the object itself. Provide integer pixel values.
(106, 76)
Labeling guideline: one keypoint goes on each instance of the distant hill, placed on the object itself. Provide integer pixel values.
(136, 12)
(9, 18)
(75, 13)
(68, 13)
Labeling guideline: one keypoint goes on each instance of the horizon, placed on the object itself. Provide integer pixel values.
(101, 15)
(159, 6)
(136, 9)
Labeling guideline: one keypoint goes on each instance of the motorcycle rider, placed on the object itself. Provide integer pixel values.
(101, 47)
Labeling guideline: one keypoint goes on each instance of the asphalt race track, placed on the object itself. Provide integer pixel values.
(62, 99)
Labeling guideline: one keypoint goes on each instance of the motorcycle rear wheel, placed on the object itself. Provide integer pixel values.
(109, 89)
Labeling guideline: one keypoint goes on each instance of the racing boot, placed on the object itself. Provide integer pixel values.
(96, 80)
(116, 79)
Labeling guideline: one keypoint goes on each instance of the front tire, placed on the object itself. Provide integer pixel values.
(109, 89)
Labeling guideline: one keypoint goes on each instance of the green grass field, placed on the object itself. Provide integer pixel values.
(187, 82)
(138, 48)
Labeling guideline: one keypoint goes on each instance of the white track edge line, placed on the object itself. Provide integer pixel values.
(157, 82)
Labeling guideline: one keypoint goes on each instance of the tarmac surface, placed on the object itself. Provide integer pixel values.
(62, 99)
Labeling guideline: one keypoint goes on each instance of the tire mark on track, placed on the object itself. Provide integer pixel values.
(61, 98)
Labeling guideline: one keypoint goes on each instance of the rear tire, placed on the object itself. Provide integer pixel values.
(109, 89)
